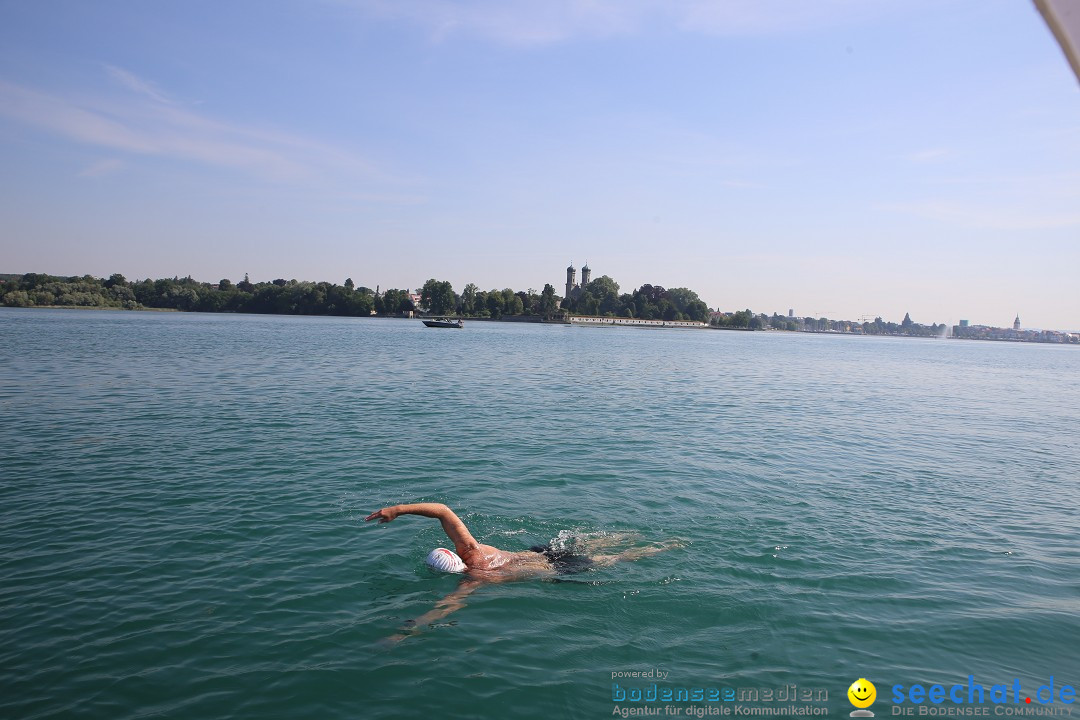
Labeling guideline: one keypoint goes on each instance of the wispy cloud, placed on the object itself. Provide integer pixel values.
(137, 84)
(146, 122)
(527, 22)
(64, 117)
(513, 22)
(767, 17)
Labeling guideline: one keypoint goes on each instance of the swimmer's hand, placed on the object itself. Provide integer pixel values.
(389, 642)
(384, 516)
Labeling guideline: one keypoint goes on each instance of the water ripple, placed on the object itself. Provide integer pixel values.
(182, 500)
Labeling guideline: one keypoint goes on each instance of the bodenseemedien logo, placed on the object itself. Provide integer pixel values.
(862, 694)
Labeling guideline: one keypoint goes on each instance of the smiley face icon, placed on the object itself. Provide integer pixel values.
(862, 693)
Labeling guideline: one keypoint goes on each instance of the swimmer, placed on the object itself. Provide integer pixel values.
(486, 562)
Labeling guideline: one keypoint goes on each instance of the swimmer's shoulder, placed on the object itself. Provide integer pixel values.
(488, 557)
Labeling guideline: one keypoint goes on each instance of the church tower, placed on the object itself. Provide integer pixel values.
(571, 278)
(1016, 322)
(586, 273)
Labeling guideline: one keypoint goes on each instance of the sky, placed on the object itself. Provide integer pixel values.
(841, 158)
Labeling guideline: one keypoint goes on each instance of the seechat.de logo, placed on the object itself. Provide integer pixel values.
(862, 694)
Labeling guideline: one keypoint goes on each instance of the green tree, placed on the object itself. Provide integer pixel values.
(512, 304)
(480, 304)
(468, 299)
(122, 294)
(667, 310)
(547, 302)
(741, 318)
(362, 304)
(438, 297)
(600, 297)
(17, 298)
(394, 302)
(212, 302)
(688, 304)
(32, 281)
(496, 305)
(338, 300)
(602, 286)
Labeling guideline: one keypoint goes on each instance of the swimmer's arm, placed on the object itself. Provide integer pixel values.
(463, 540)
(449, 604)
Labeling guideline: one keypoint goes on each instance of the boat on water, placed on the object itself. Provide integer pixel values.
(442, 322)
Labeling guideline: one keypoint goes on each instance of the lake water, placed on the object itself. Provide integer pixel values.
(182, 500)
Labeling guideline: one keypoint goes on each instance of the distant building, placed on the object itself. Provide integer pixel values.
(1016, 323)
(790, 312)
(572, 288)
(963, 323)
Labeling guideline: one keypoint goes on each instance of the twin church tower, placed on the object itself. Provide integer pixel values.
(572, 288)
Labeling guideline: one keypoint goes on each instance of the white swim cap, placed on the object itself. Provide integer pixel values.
(445, 560)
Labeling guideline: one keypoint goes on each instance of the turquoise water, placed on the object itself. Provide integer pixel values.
(182, 504)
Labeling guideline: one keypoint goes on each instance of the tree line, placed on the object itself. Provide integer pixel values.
(287, 297)
(599, 297)
(292, 297)
(439, 298)
(649, 302)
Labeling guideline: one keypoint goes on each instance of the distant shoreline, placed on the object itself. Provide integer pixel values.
(99, 307)
(597, 304)
(537, 320)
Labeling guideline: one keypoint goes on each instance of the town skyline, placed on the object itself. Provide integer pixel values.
(846, 159)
